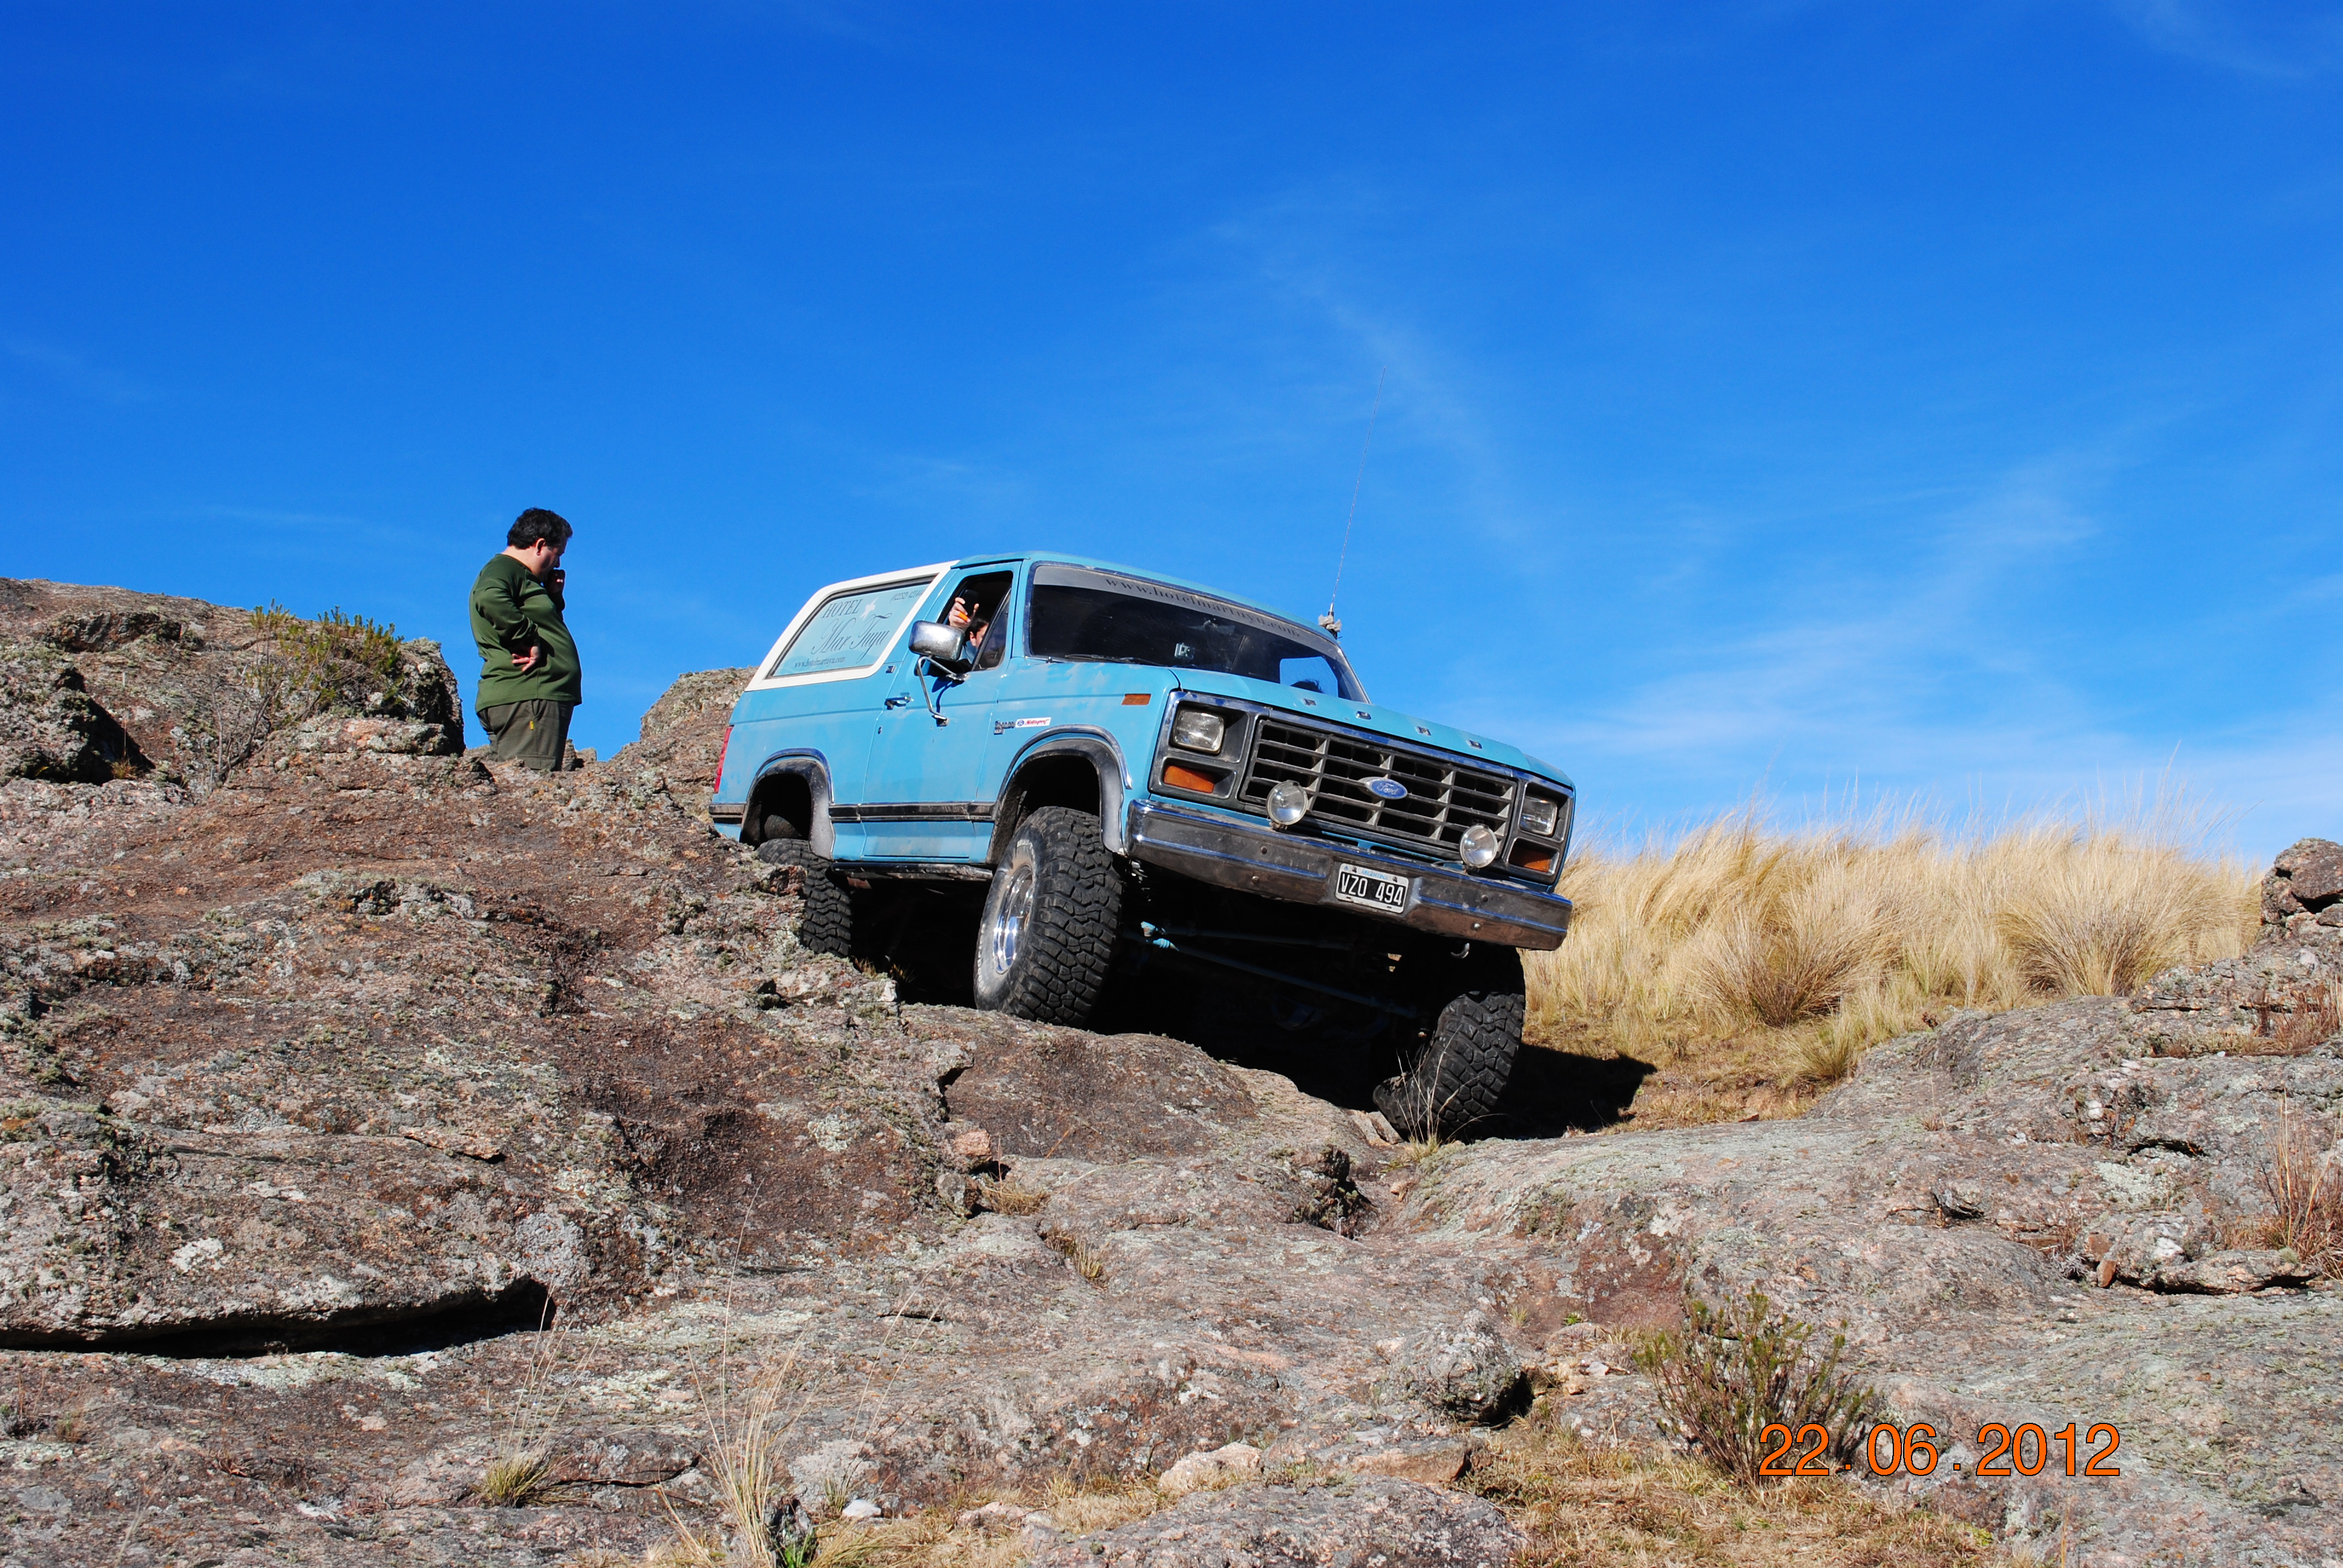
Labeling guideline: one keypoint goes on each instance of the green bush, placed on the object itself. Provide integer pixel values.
(336, 663)
(1738, 1369)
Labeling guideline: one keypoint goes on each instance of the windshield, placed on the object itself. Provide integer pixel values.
(1081, 614)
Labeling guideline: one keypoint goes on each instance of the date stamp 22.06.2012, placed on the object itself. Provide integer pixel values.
(1888, 1450)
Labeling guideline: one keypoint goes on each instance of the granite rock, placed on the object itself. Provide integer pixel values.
(1398, 1523)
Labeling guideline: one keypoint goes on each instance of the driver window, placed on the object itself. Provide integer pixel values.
(976, 603)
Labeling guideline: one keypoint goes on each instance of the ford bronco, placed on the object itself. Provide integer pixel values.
(1109, 772)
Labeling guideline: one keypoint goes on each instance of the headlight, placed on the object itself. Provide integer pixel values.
(1479, 846)
(1198, 729)
(1288, 803)
(1538, 816)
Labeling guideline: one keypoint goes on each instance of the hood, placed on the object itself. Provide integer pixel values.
(1370, 715)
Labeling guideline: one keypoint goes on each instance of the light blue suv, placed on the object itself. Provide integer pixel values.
(1094, 771)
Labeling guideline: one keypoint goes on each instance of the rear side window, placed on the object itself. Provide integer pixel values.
(849, 630)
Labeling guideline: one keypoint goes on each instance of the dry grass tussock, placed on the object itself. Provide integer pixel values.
(943, 1537)
(749, 1418)
(519, 1474)
(2304, 1186)
(1599, 1505)
(1783, 955)
(1005, 1196)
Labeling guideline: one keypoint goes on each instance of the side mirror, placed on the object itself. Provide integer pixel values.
(946, 645)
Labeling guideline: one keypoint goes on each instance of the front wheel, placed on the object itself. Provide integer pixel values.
(1458, 1079)
(1048, 932)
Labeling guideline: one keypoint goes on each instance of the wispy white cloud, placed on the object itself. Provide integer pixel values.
(1327, 263)
(975, 488)
(1871, 657)
(1946, 669)
(2258, 39)
(76, 374)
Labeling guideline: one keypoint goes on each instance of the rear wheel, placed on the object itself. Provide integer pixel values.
(827, 926)
(1457, 1082)
(1047, 932)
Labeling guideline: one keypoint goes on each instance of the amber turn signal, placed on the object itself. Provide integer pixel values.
(1533, 857)
(1182, 776)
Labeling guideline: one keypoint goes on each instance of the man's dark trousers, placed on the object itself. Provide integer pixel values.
(534, 732)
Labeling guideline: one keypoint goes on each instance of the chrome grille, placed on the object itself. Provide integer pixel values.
(1444, 796)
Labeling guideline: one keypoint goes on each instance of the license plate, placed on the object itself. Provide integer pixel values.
(1357, 885)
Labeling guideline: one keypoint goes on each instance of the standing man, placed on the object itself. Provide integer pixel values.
(529, 674)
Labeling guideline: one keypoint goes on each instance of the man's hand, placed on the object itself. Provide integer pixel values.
(957, 615)
(529, 661)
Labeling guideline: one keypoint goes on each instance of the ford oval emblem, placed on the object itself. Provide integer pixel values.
(1388, 788)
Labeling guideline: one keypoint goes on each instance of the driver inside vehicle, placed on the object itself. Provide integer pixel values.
(975, 600)
(975, 622)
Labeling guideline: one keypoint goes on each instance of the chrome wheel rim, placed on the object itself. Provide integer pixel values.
(1010, 913)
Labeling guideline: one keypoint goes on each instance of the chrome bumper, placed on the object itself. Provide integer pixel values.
(1300, 870)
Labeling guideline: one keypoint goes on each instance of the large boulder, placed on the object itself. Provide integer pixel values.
(194, 690)
(2308, 877)
(683, 735)
(50, 728)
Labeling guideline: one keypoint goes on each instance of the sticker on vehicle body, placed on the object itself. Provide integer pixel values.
(1000, 725)
(1376, 889)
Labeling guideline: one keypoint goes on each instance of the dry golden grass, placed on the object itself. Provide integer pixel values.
(2313, 1021)
(1007, 1197)
(514, 1481)
(2305, 1193)
(749, 1411)
(1086, 1260)
(1594, 1505)
(519, 1474)
(936, 1539)
(1763, 963)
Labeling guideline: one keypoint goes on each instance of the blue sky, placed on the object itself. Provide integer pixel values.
(1942, 401)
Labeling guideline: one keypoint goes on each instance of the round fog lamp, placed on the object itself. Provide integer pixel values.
(1479, 846)
(1288, 803)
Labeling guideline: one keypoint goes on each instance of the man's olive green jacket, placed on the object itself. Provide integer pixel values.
(511, 610)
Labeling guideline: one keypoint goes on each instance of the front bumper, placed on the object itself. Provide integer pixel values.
(1301, 870)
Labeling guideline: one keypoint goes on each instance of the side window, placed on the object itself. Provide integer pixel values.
(1311, 674)
(982, 598)
(849, 631)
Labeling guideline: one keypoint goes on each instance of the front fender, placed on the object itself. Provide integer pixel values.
(1096, 747)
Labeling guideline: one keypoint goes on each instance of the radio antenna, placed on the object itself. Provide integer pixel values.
(1334, 628)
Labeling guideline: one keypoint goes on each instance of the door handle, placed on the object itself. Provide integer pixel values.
(899, 702)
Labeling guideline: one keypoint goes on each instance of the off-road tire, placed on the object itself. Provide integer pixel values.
(1458, 1080)
(827, 924)
(1064, 890)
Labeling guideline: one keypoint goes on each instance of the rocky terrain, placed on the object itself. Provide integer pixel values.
(372, 1115)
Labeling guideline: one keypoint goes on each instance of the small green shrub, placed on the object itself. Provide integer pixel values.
(336, 661)
(1736, 1371)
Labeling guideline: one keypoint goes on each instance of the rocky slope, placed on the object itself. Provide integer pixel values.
(379, 1115)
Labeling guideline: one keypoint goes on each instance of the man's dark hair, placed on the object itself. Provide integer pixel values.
(536, 524)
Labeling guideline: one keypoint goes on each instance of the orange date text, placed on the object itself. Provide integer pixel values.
(2025, 1450)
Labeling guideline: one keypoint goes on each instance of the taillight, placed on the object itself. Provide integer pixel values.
(720, 756)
